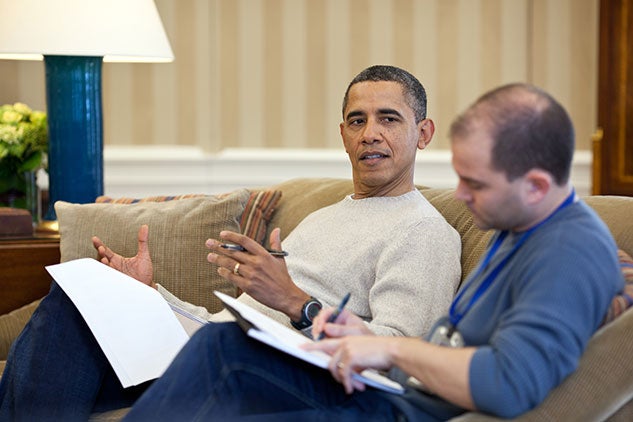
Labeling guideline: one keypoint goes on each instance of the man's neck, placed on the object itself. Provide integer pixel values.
(362, 191)
(550, 204)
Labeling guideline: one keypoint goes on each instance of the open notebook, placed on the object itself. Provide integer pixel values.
(271, 332)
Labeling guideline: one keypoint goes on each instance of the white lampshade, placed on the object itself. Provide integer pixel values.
(117, 30)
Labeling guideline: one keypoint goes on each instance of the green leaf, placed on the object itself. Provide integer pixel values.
(32, 162)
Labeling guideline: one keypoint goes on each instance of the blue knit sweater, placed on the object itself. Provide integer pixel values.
(534, 321)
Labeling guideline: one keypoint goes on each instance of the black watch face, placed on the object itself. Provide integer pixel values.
(312, 309)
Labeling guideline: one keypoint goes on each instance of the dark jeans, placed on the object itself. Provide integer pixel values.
(221, 374)
(56, 370)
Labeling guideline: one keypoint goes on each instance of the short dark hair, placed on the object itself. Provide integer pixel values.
(414, 92)
(529, 129)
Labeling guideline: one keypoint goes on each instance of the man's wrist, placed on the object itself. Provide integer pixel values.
(309, 311)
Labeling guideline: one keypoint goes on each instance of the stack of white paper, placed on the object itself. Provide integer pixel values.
(133, 324)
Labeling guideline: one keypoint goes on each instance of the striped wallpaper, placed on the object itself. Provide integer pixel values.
(271, 73)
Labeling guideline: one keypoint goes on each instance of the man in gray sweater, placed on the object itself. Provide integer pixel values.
(383, 243)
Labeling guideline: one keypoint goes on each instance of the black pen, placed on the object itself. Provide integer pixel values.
(241, 248)
(335, 314)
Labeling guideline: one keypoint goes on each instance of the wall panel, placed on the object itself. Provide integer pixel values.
(271, 73)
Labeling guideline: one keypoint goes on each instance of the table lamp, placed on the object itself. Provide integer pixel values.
(74, 37)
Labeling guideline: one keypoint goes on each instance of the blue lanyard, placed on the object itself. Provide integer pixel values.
(454, 316)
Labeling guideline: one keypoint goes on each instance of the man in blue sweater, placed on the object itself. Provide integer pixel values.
(516, 329)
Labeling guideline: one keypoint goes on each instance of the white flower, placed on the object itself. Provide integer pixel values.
(22, 109)
(9, 134)
(11, 117)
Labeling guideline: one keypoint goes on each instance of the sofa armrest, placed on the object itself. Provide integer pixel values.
(602, 383)
(12, 324)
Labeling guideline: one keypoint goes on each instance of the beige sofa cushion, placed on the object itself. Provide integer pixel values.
(474, 240)
(177, 233)
(615, 211)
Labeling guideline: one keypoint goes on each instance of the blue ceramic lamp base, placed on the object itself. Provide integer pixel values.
(75, 128)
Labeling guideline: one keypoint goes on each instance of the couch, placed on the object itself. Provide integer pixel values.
(600, 389)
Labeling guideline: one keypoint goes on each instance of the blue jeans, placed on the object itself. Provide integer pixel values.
(56, 369)
(222, 374)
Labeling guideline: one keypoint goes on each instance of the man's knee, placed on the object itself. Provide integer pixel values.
(216, 333)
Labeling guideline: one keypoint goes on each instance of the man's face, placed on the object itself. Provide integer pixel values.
(381, 137)
(494, 202)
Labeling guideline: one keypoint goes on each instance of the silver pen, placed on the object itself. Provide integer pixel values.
(240, 248)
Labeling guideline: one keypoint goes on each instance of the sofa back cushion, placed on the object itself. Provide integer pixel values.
(302, 196)
(474, 240)
(617, 213)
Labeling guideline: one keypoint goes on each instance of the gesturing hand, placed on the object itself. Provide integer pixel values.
(139, 266)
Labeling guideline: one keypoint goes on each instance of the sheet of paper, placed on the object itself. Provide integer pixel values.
(274, 334)
(135, 327)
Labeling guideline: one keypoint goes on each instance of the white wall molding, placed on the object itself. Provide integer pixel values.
(169, 170)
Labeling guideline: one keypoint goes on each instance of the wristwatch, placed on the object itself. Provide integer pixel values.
(309, 310)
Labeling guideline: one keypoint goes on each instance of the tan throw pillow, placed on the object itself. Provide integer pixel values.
(177, 233)
(254, 221)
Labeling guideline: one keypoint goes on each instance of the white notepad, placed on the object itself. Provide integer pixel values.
(272, 333)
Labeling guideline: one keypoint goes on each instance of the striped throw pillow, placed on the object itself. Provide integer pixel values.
(623, 300)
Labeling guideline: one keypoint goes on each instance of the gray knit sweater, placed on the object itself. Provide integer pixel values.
(397, 256)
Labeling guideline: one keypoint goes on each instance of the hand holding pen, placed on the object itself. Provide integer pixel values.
(335, 314)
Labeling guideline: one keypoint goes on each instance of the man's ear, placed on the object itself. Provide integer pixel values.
(426, 129)
(537, 184)
(341, 127)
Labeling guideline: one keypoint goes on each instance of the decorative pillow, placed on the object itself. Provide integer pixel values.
(624, 300)
(177, 233)
(253, 223)
(258, 212)
(123, 200)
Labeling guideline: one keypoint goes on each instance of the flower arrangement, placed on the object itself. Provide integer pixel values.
(23, 147)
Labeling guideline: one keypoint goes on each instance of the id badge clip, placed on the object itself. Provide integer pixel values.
(446, 335)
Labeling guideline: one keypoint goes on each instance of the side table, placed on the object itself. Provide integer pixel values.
(23, 277)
